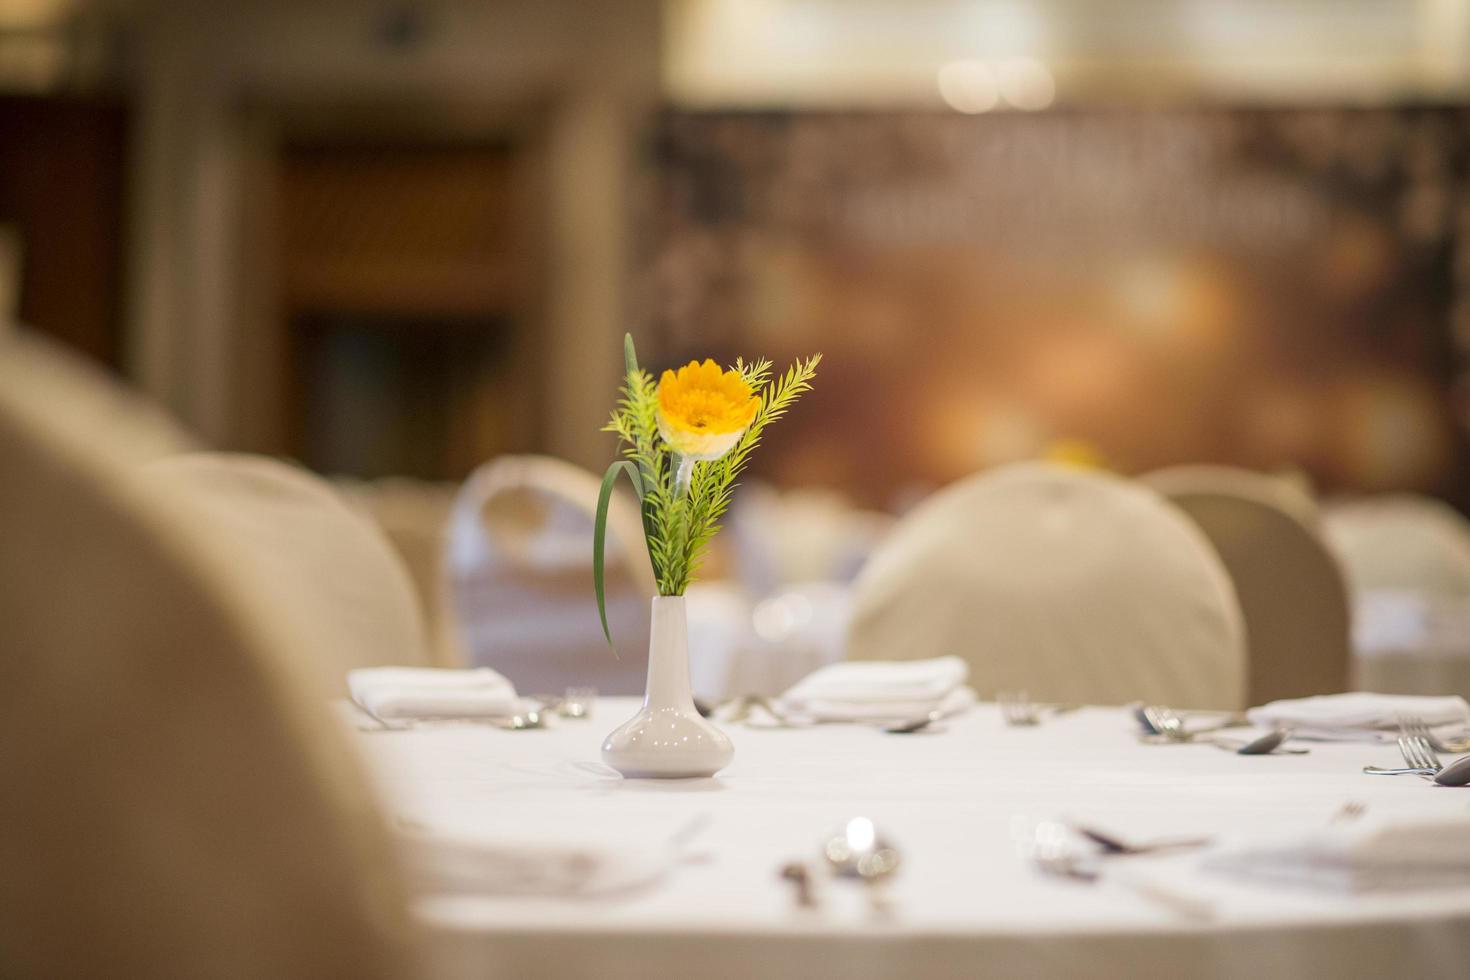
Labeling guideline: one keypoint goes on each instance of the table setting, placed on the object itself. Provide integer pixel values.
(1072, 827)
(879, 817)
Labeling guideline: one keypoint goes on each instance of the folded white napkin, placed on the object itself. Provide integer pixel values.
(1358, 714)
(460, 862)
(431, 692)
(875, 689)
(1366, 855)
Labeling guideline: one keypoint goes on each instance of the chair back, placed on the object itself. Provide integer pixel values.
(330, 570)
(1298, 619)
(414, 514)
(520, 571)
(1401, 542)
(177, 802)
(1071, 585)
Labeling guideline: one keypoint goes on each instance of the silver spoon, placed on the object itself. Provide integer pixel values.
(1457, 773)
(1266, 744)
(913, 724)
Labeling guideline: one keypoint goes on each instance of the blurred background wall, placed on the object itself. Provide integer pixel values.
(401, 237)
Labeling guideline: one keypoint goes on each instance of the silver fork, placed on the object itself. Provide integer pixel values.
(1418, 756)
(1414, 725)
(1016, 708)
(1168, 726)
(1417, 753)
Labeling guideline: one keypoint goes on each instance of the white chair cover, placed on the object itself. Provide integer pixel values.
(1290, 588)
(737, 647)
(1408, 560)
(1072, 585)
(806, 535)
(520, 570)
(176, 801)
(330, 571)
(1401, 542)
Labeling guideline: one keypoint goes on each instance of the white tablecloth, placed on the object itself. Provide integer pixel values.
(966, 904)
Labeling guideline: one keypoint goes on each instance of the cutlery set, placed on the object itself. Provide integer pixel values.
(1018, 710)
(1162, 726)
(1420, 749)
(1417, 744)
(1054, 849)
(576, 704)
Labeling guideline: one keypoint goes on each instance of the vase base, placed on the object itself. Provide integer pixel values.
(667, 743)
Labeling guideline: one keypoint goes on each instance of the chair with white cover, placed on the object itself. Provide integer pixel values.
(177, 802)
(1291, 590)
(783, 538)
(520, 571)
(1401, 542)
(1407, 558)
(330, 570)
(1072, 585)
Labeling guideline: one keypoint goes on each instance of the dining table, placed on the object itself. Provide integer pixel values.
(960, 802)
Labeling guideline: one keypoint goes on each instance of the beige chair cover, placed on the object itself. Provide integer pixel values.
(520, 568)
(1401, 542)
(1069, 584)
(57, 389)
(330, 570)
(1291, 591)
(175, 804)
(414, 514)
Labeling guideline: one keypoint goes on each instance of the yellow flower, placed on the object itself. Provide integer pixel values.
(1076, 453)
(703, 411)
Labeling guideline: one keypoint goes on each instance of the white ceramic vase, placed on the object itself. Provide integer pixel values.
(667, 738)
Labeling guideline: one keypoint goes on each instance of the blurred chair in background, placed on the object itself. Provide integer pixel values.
(1408, 561)
(414, 514)
(785, 613)
(177, 802)
(520, 569)
(330, 571)
(1071, 585)
(1290, 588)
(70, 392)
(793, 631)
(783, 538)
(1401, 542)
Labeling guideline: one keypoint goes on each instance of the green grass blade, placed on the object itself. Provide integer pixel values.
(630, 357)
(599, 534)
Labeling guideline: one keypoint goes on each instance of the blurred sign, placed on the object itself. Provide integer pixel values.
(1269, 288)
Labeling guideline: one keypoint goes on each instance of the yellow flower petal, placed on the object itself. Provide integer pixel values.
(702, 410)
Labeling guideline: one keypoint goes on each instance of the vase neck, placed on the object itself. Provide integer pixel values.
(668, 655)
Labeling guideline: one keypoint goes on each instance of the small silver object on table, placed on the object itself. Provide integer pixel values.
(800, 877)
(577, 702)
(858, 851)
